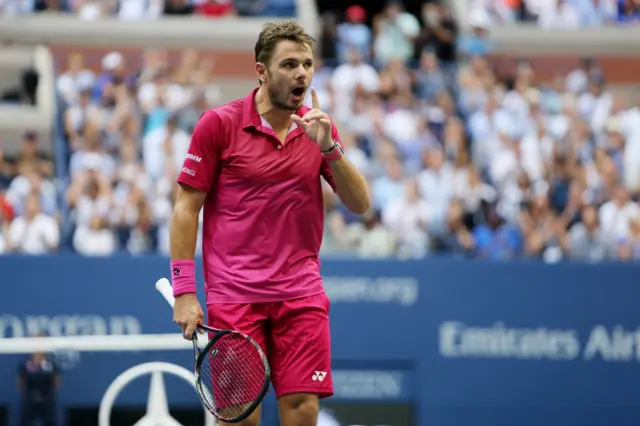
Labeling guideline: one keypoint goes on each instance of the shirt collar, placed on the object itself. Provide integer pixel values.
(250, 116)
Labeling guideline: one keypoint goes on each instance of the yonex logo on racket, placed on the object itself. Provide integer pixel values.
(319, 376)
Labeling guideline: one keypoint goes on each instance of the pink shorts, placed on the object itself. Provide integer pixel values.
(295, 336)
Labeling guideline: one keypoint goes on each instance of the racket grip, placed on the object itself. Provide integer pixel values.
(164, 287)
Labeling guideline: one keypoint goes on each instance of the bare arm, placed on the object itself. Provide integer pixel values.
(351, 186)
(183, 229)
(183, 235)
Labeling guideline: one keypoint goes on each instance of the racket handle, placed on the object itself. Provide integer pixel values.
(164, 287)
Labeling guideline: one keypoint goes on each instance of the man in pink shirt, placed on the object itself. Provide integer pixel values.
(255, 165)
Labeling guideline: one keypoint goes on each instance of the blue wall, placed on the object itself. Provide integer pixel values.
(471, 343)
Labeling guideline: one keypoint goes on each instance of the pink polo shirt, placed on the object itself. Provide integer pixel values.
(263, 216)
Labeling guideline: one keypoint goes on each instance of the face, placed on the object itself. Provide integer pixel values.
(454, 212)
(32, 205)
(412, 190)
(589, 216)
(288, 74)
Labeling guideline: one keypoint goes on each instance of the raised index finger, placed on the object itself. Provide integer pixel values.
(315, 103)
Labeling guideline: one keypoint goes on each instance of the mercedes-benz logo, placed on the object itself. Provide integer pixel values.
(157, 406)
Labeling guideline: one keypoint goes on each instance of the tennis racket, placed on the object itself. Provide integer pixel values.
(232, 372)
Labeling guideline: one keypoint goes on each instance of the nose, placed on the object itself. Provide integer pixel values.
(301, 72)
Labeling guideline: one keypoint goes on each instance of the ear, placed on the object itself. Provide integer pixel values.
(261, 71)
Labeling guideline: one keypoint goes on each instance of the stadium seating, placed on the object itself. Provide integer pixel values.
(468, 149)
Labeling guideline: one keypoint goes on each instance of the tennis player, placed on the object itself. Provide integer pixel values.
(255, 165)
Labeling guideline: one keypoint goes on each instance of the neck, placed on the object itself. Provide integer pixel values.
(277, 118)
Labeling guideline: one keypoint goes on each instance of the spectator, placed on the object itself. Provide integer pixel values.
(587, 241)
(628, 248)
(455, 238)
(30, 181)
(389, 187)
(435, 184)
(460, 160)
(354, 34)
(113, 72)
(12, 7)
(34, 232)
(30, 153)
(351, 78)
(89, 198)
(616, 214)
(476, 43)
(215, 8)
(75, 80)
(178, 7)
(559, 14)
(628, 11)
(92, 155)
(430, 79)
(6, 175)
(395, 32)
(407, 218)
(497, 239)
(134, 10)
(90, 10)
(166, 145)
(369, 238)
(78, 116)
(6, 216)
(438, 35)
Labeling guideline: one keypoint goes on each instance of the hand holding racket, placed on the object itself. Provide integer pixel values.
(232, 372)
(188, 314)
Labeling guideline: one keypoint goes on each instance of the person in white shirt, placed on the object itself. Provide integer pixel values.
(348, 79)
(407, 218)
(34, 233)
(89, 197)
(134, 10)
(435, 184)
(166, 145)
(76, 79)
(558, 14)
(369, 238)
(616, 214)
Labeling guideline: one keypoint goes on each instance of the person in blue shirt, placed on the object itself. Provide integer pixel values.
(496, 239)
(354, 34)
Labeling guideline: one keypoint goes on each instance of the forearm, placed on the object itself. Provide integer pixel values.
(183, 234)
(351, 186)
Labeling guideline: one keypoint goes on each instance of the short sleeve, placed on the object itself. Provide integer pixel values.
(201, 162)
(326, 168)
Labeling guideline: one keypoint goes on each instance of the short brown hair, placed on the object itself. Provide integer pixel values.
(273, 32)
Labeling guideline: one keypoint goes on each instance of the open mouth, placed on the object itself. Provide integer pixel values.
(298, 91)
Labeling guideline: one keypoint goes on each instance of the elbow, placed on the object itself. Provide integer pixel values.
(361, 206)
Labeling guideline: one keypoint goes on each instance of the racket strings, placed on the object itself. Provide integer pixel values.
(233, 374)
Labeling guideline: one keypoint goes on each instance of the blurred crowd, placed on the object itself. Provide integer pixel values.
(558, 13)
(150, 9)
(461, 161)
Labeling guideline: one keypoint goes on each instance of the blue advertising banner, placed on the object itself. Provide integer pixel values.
(464, 343)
